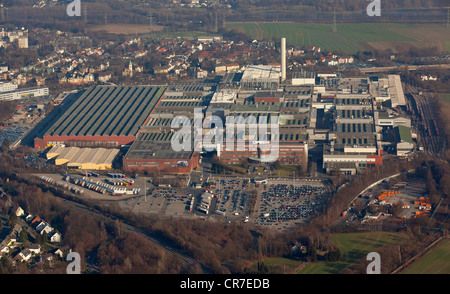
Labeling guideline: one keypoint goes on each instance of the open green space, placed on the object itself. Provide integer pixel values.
(348, 38)
(437, 261)
(285, 171)
(447, 46)
(354, 247)
(445, 97)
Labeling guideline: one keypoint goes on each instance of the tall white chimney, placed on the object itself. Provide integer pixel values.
(283, 59)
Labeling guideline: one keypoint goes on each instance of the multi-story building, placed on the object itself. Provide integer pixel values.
(24, 93)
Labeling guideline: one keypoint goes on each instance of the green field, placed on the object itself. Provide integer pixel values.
(447, 46)
(354, 248)
(349, 38)
(437, 261)
(445, 97)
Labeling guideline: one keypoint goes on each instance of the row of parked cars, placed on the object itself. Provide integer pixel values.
(285, 202)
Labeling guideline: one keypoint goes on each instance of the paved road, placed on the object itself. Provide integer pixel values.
(180, 256)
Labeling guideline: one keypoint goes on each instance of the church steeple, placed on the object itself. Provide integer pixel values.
(130, 69)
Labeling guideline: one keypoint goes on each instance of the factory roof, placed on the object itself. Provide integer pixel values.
(192, 87)
(362, 127)
(156, 146)
(256, 72)
(404, 134)
(303, 75)
(83, 156)
(167, 122)
(256, 107)
(107, 111)
(396, 90)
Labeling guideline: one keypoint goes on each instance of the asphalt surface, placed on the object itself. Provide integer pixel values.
(179, 255)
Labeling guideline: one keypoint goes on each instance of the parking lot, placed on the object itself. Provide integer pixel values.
(163, 201)
(233, 197)
(13, 134)
(60, 180)
(285, 203)
(280, 203)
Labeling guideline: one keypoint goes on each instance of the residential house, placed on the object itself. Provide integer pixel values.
(28, 218)
(55, 237)
(35, 248)
(47, 229)
(36, 221)
(220, 68)
(104, 77)
(41, 225)
(58, 252)
(201, 73)
(232, 67)
(23, 256)
(16, 229)
(9, 242)
(19, 212)
(27, 253)
(4, 249)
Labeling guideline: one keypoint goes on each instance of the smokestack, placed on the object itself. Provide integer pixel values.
(283, 59)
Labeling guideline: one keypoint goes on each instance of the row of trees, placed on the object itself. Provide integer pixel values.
(21, 13)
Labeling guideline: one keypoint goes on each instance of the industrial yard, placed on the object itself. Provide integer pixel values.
(224, 137)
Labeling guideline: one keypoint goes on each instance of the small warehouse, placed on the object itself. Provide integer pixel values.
(83, 158)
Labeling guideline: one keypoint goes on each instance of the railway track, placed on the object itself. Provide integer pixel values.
(179, 256)
(425, 109)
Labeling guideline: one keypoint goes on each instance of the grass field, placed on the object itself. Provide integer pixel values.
(445, 97)
(354, 248)
(437, 261)
(349, 38)
(447, 46)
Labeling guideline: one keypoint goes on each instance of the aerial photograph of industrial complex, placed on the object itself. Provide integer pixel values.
(225, 143)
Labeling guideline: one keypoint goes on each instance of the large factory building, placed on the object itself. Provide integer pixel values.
(102, 116)
(153, 152)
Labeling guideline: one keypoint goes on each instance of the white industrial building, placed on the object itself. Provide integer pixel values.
(303, 78)
(385, 118)
(396, 91)
(261, 77)
(7, 86)
(24, 93)
(83, 158)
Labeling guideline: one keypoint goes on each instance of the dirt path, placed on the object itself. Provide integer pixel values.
(261, 32)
